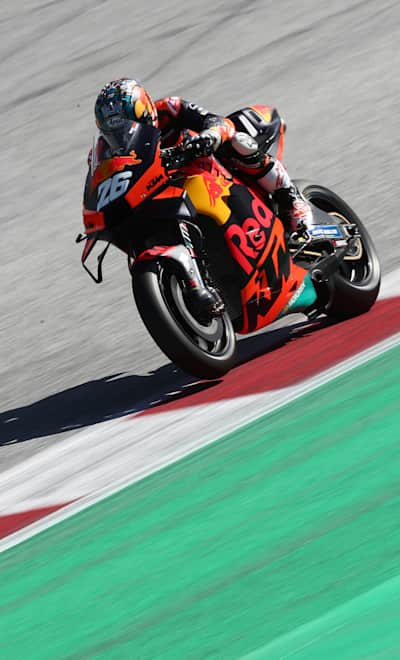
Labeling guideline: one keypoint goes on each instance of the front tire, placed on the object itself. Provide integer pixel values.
(206, 350)
(354, 288)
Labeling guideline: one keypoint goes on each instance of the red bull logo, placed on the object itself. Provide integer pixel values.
(214, 187)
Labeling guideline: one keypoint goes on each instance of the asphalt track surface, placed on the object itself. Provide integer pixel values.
(73, 353)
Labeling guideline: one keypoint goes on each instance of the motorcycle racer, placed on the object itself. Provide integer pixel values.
(126, 98)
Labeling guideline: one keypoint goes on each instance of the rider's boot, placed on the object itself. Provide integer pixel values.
(271, 175)
(293, 209)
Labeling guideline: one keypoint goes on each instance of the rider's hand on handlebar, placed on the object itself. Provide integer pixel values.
(203, 144)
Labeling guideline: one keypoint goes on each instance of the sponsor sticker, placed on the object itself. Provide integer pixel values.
(296, 296)
(326, 231)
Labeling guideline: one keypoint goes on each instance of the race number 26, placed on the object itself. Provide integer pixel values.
(112, 188)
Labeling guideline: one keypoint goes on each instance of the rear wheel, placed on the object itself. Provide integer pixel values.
(204, 349)
(353, 289)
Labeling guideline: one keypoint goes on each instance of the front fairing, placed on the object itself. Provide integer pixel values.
(126, 170)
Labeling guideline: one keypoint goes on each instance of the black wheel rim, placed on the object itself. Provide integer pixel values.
(211, 338)
(356, 266)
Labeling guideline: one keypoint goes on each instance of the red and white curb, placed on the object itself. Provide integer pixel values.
(91, 465)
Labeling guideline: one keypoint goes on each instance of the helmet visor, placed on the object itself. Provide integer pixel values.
(110, 110)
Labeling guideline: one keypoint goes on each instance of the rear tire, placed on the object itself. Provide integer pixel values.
(354, 288)
(204, 350)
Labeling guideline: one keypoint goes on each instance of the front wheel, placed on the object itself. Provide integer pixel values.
(353, 289)
(206, 350)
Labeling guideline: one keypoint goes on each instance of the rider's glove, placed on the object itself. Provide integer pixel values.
(203, 144)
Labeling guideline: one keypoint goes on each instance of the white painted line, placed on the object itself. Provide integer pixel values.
(390, 285)
(110, 456)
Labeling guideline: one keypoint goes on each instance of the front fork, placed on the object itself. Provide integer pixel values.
(196, 281)
(203, 301)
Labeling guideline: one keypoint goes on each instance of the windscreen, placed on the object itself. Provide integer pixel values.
(123, 136)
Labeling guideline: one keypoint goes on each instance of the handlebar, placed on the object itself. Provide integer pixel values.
(176, 157)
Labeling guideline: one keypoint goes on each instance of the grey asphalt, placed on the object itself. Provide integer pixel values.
(73, 353)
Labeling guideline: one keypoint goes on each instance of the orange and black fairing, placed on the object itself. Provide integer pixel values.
(208, 184)
(261, 266)
(93, 221)
(257, 243)
(129, 174)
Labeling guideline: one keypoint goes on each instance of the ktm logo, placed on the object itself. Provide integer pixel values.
(154, 182)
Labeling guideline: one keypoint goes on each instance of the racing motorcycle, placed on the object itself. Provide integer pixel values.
(208, 255)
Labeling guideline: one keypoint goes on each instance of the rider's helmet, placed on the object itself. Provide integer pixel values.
(124, 99)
